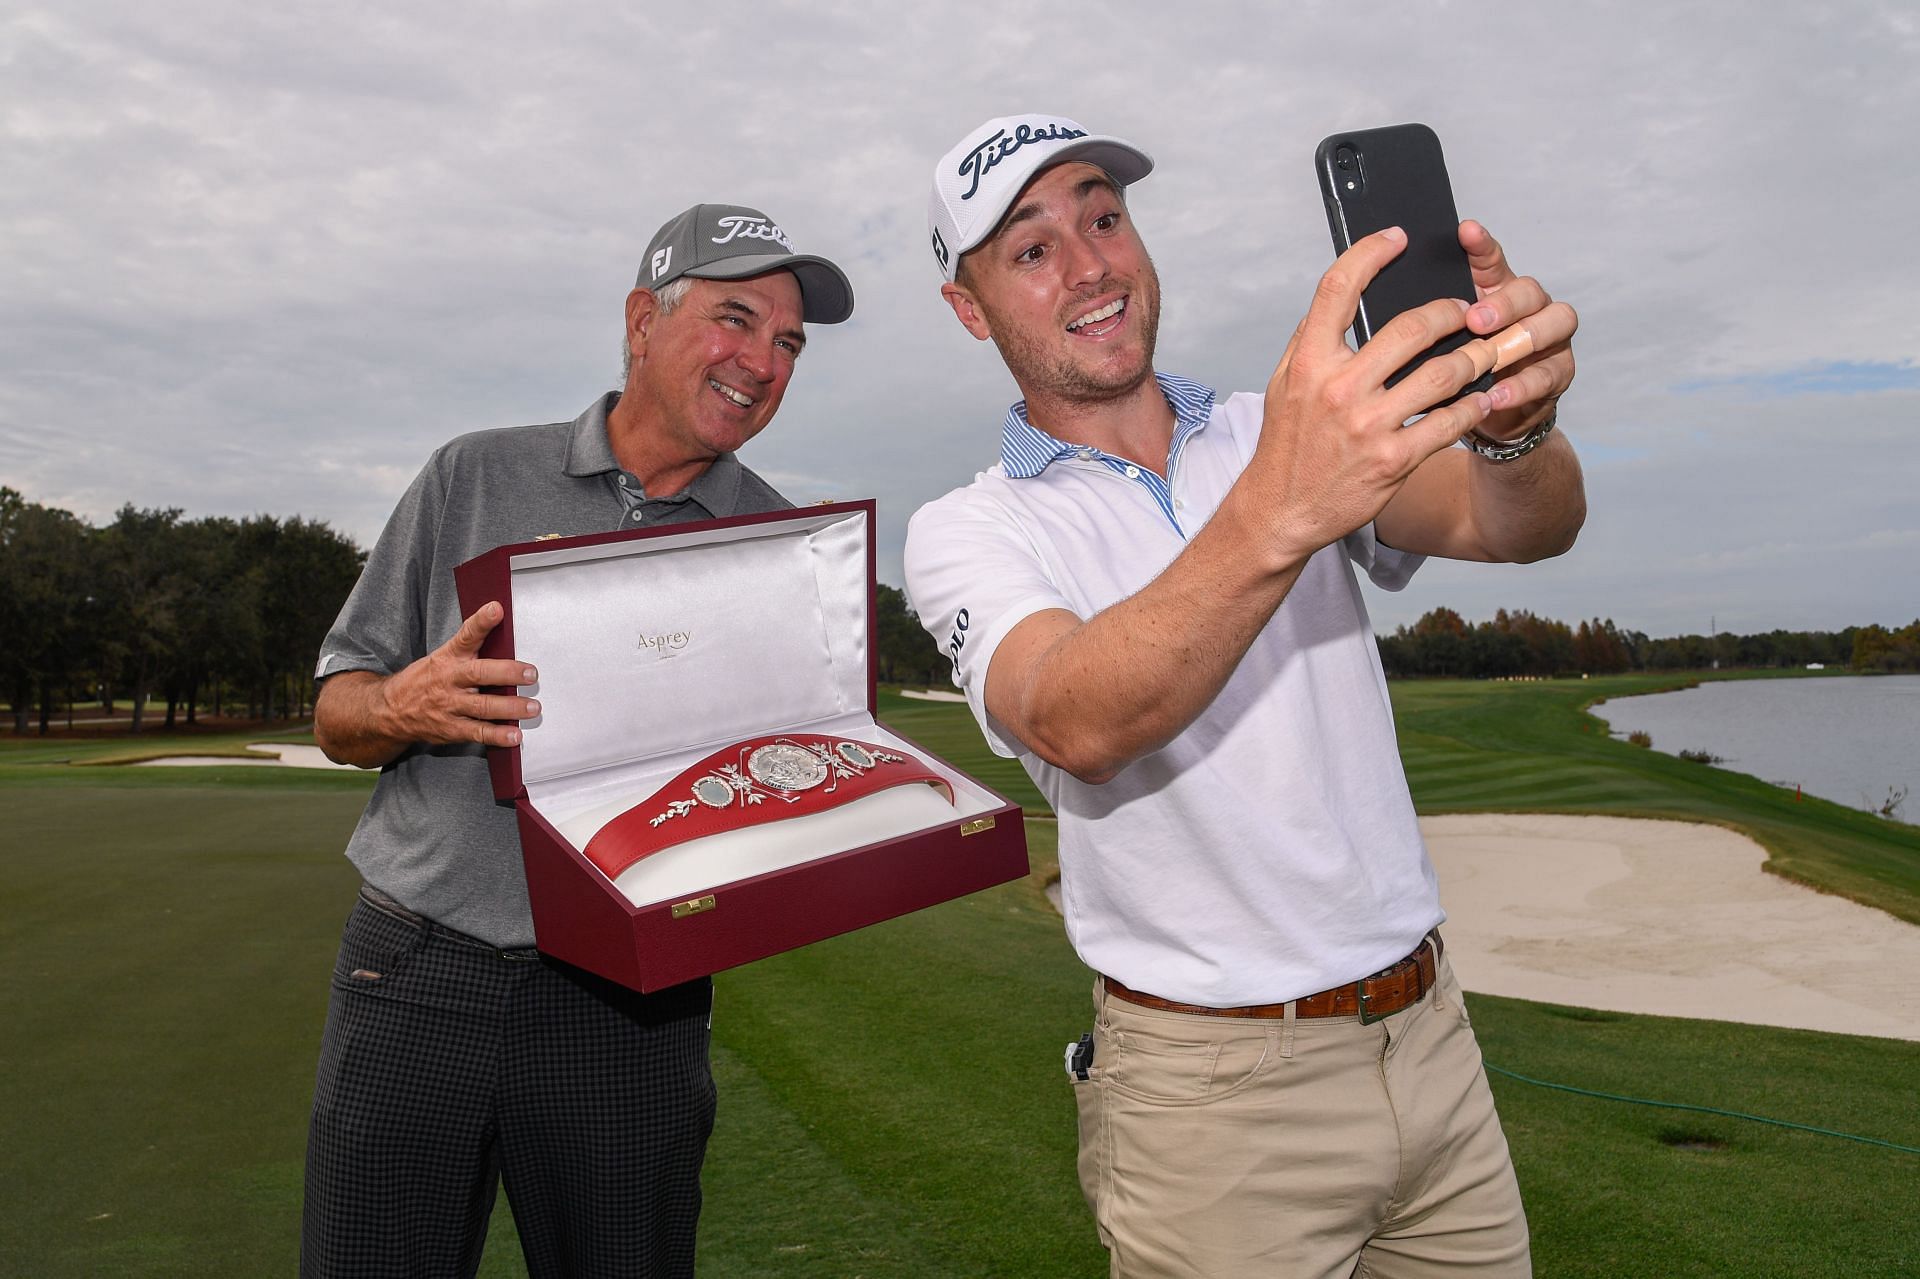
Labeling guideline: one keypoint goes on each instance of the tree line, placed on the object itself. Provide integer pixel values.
(1520, 643)
(222, 613)
(229, 615)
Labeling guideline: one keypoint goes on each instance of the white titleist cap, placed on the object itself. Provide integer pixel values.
(976, 183)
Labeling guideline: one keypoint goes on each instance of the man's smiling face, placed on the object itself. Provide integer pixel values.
(1065, 289)
(712, 372)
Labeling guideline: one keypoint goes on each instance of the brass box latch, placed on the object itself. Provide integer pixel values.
(698, 906)
(975, 826)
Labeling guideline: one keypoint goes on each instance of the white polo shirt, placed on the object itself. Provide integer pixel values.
(1269, 851)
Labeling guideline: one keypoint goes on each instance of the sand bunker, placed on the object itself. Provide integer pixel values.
(1664, 917)
(285, 755)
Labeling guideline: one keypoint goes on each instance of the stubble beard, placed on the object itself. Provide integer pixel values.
(1045, 370)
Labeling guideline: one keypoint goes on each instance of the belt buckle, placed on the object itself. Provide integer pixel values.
(1367, 1015)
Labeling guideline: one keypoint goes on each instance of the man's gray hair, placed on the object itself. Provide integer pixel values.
(669, 296)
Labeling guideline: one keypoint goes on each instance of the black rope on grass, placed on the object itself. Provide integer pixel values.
(1705, 1110)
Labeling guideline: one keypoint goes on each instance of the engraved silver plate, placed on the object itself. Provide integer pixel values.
(786, 767)
(714, 792)
(856, 754)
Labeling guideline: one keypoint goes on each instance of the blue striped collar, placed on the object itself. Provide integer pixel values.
(1026, 450)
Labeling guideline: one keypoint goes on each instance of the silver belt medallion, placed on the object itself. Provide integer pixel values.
(786, 766)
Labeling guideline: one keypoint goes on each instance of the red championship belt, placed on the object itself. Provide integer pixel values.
(767, 779)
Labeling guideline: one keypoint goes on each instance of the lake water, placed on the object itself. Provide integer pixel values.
(1845, 739)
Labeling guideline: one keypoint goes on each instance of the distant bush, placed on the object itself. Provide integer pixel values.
(1639, 738)
(1517, 644)
(1877, 649)
(1701, 757)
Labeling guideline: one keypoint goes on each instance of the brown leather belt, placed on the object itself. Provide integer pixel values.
(1385, 993)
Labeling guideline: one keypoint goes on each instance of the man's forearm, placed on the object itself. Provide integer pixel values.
(1131, 678)
(1531, 508)
(351, 723)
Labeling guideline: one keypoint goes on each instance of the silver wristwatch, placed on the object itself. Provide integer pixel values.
(1507, 450)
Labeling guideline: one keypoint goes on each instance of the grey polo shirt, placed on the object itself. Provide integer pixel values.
(432, 837)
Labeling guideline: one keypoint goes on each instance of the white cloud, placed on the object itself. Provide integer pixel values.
(267, 258)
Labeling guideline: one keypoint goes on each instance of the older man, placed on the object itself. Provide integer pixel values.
(1151, 602)
(454, 1057)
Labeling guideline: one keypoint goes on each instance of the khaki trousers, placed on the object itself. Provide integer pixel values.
(1220, 1147)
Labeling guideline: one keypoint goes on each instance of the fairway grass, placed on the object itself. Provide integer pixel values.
(891, 1102)
(167, 952)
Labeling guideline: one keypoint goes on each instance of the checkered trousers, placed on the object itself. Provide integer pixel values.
(448, 1066)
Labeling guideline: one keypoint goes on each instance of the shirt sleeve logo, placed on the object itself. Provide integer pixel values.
(958, 639)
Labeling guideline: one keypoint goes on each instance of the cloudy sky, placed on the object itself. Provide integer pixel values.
(266, 257)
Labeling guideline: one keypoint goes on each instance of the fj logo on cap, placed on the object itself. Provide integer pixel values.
(662, 259)
(998, 147)
(939, 248)
(737, 227)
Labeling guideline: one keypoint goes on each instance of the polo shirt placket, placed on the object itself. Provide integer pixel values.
(1026, 450)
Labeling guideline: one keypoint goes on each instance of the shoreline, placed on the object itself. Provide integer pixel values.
(1851, 744)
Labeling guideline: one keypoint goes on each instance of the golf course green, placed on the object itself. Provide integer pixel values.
(892, 1101)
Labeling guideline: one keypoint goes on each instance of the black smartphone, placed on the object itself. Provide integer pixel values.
(1376, 178)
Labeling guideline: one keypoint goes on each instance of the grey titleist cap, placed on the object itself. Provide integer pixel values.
(732, 242)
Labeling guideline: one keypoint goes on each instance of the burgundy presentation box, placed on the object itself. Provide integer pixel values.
(660, 651)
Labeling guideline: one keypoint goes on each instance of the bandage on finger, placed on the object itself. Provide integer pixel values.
(1509, 346)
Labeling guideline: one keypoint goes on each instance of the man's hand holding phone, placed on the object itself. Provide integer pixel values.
(1334, 442)
(1396, 176)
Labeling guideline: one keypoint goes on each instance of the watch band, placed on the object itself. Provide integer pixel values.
(763, 779)
(1507, 450)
